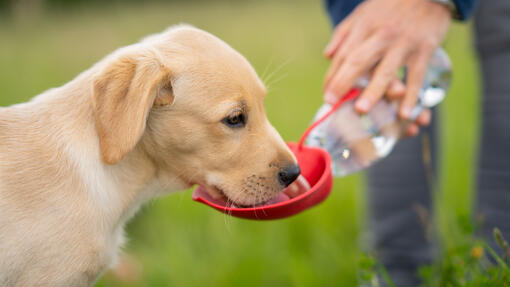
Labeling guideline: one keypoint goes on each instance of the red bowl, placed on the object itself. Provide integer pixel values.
(315, 164)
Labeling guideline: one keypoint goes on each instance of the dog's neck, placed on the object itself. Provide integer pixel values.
(115, 191)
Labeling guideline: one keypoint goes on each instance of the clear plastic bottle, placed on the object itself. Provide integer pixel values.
(357, 141)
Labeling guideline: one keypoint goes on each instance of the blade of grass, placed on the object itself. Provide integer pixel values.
(385, 275)
(496, 257)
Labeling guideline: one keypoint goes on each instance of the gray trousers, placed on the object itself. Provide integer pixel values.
(400, 188)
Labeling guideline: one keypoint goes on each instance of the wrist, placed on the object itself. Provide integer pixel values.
(450, 6)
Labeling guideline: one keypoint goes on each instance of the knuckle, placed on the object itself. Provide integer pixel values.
(386, 76)
(383, 78)
(389, 31)
(335, 64)
(378, 86)
(354, 60)
(339, 56)
(376, 90)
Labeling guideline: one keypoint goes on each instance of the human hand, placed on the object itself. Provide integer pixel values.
(379, 37)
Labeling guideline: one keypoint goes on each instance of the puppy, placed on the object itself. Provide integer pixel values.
(177, 109)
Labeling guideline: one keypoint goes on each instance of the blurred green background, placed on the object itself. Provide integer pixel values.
(182, 243)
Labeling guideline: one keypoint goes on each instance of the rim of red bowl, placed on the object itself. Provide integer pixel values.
(320, 182)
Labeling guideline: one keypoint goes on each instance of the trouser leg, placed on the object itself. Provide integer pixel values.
(493, 42)
(400, 193)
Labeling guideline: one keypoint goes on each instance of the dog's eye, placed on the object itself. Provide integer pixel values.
(235, 121)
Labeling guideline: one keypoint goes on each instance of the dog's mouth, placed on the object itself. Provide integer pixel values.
(218, 196)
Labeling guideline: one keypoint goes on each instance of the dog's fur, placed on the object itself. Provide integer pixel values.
(77, 161)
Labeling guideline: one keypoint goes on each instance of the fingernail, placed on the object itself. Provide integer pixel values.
(330, 98)
(406, 113)
(363, 105)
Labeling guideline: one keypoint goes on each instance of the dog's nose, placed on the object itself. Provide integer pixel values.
(287, 175)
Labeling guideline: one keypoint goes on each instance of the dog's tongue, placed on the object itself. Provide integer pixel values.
(299, 186)
(202, 192)
(281, 197)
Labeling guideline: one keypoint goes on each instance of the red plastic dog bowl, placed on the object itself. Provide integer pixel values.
(315, 166)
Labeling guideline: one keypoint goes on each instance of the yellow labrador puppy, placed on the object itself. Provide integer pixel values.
(177, 109)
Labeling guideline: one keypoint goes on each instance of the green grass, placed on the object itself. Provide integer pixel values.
(182, 243)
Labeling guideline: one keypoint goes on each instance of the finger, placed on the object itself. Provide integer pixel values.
(412, 130)
(424, 118)
(384, 73)
(358, 33)
(333, 68)
(358, 62)
(416, 72)
(350, 43)
(340, 33)
(396, 89)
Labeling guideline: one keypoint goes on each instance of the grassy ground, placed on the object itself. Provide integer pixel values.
(182, 243)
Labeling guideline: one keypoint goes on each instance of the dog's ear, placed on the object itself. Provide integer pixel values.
(123, 94)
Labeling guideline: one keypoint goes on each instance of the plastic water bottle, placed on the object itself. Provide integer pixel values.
(357, 141)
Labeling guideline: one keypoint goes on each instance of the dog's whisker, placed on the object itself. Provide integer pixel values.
(273, 73)
(278, 69)
(231, 203)
(263, 211)
(225, 220)
(281, 77)
(267, 68)
(227, 214)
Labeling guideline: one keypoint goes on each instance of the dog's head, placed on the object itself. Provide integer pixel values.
(195, 107)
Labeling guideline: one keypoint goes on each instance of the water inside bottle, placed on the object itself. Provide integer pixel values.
(353, 141)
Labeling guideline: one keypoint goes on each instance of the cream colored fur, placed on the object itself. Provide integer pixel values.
(77, 161)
